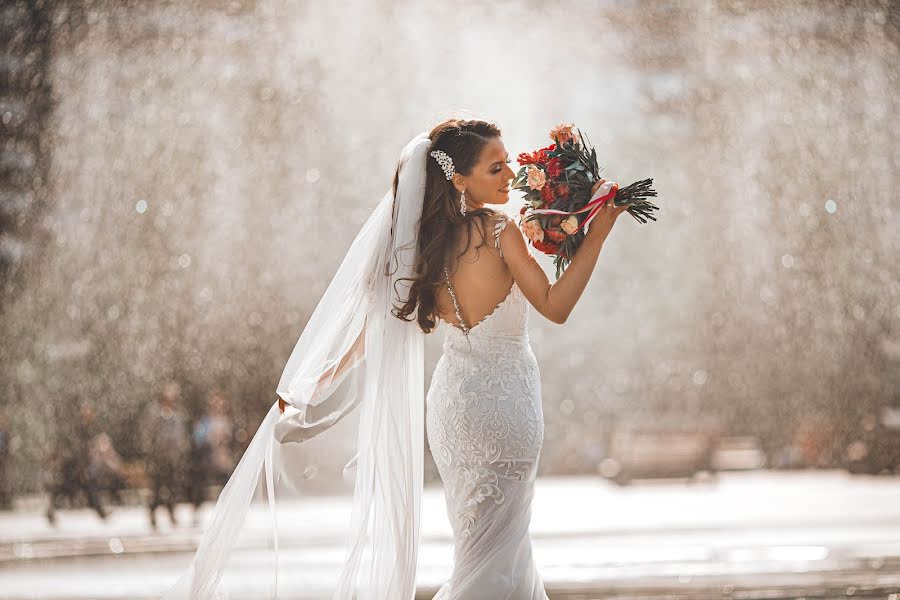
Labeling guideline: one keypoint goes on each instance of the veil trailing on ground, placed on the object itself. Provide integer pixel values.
(352, 353)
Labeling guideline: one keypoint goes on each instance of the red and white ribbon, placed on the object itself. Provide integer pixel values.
(606, 192)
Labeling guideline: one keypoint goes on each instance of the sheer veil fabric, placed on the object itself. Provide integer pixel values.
(352, 353)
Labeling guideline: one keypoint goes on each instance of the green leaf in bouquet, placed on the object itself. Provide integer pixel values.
(533, 196)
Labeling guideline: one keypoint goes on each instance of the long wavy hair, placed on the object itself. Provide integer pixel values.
(463, 140)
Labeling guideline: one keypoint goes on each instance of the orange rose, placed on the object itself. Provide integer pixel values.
(570, 224)
(536, 178)
(533, 230)
(563, 132)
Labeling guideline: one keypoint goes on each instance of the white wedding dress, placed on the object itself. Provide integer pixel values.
(485, 427)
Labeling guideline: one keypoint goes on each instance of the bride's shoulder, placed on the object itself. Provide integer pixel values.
(499, 218)
(500, 221)
(488, 221)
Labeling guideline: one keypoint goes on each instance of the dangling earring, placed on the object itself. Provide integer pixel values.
(462, 203)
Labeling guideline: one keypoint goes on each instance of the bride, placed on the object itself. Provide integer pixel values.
(413, 269)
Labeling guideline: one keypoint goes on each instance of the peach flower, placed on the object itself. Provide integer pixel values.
(536, 177)
(570, 224)
(533, 230)
(563, 132)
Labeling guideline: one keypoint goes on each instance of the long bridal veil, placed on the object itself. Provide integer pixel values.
(352, 353)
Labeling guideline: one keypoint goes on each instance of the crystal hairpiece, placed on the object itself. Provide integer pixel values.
(445, 161)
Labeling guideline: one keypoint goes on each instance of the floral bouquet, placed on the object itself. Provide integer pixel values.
(557, 181)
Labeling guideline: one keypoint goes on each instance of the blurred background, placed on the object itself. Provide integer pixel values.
(180, 182)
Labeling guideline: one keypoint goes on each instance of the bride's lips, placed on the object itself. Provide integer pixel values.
(506, 189)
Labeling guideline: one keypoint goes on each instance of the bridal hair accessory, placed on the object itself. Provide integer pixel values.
(445, 161)
(354, 356)
(447, 165)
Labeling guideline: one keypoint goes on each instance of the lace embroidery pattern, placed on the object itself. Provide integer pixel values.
(484, 417)
(487, 427)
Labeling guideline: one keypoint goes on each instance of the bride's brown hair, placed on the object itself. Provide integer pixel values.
(463, 140)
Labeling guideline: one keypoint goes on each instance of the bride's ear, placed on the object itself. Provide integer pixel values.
(458, 182)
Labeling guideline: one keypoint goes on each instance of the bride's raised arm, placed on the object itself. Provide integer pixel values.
(556, 300)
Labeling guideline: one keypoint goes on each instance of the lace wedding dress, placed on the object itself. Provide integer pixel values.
(485, 427)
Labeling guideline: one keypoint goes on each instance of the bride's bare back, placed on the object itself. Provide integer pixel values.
(480, 277)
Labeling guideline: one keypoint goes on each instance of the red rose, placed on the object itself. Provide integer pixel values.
(562, 190)
(523, 209)
(554, 235)
(554, 168)
(546, 247)
(547, 194)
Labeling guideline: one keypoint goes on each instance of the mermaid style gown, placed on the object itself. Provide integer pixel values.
(485, 427)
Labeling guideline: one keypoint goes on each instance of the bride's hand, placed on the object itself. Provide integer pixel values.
(605, 218)
(323, 382)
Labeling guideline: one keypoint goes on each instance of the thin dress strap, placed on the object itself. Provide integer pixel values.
(498, 227)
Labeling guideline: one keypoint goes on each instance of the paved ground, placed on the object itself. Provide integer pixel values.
(810, 534)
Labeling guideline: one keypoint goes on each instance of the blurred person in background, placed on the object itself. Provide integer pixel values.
(70, 464)
(212, 448)
(5, 496)
(106, 467)
(165, 442)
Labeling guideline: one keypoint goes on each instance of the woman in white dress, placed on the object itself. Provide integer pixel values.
(483, 409)
(363, 346)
